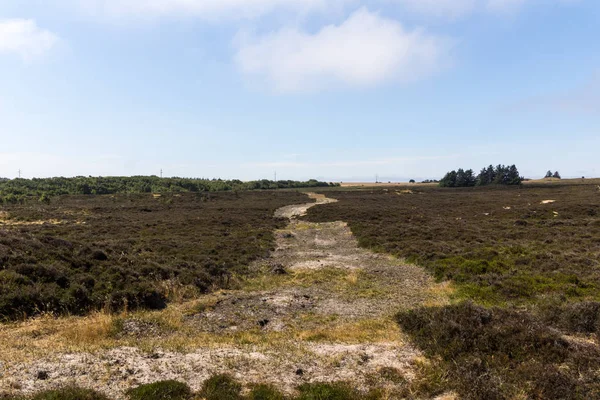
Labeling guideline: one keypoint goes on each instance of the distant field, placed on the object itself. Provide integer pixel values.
(528, 257)
(80, 253)
(382, 184)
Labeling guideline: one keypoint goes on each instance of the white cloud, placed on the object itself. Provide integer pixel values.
(202, 8)
(365, 50)
(440, 8)
(24, 38)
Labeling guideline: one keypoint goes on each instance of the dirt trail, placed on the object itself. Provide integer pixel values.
(320, 309)
(298, 210)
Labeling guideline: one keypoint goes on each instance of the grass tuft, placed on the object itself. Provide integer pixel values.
(265, 392)
(221, 387)
(164, 390)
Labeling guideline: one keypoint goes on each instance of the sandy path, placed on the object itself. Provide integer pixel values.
(320, 309)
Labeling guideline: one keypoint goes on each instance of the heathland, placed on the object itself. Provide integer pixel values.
(524, 261)
(357, 293)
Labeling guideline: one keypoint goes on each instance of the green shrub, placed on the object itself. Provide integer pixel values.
(221, 387)
(328, 391)
(164, 390)
(69, 393)
(265, 392)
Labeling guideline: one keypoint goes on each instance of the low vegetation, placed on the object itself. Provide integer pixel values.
(218, 387)
(502, 354)
(517, 245)
(519, 262)
(164, 390)
(67, 393)
(83, 253)
(527, 256)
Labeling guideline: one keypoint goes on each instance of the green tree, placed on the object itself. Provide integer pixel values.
(486, 176)
(449, 180)
(514, 178)
(499, 175)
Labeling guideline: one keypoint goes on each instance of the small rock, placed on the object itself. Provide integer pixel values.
(299, 372)
(42, 375)
(263, 323)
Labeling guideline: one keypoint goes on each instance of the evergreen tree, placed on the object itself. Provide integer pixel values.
(449, 180)
(556, 175)
(499, 175)
(486, 176)
(513, 176)
(548, 174)
(461, 178)
(470, 179)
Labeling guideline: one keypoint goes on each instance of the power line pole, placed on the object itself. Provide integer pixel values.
(275, 176)
(161, 173)
(19, 173)
(377, 178)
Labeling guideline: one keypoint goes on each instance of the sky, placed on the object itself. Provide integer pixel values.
(339, 90)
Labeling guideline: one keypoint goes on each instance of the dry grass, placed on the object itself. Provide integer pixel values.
(351, 284)
(440, 294)
(365, 331)
(46, 335)
(9, 222)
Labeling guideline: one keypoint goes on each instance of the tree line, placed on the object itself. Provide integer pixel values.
(11, 190)
(499, 175)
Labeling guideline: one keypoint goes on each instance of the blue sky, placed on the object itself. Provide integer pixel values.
(337, 90)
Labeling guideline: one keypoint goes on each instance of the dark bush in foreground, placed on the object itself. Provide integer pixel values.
(583, 317)
(265, 392)
(67, 393)
(498, 353)
(164, 390)
(218, 387)
(221, 387)
(332, 391)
